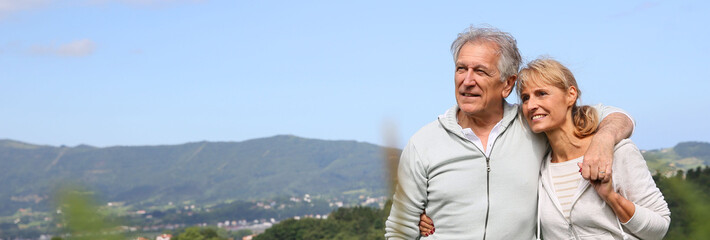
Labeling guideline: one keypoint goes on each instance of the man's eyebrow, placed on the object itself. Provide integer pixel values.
(480, 66)
(477, 66)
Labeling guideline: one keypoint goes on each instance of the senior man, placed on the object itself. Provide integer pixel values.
(476, 168)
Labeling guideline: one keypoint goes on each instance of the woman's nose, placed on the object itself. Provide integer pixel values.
(531, 104)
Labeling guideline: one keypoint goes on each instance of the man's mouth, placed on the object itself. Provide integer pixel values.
(470, 95)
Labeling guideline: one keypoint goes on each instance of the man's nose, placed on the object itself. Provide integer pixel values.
(469, 79)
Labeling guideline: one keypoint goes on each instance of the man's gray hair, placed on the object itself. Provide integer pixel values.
(509, 61)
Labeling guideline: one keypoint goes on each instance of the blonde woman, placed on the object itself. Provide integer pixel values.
(629, 206)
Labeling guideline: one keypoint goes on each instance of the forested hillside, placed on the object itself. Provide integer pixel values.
(202, 171)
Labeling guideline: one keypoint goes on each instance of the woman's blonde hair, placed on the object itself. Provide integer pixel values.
(546, 71)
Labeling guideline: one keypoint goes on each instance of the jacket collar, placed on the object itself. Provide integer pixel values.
(449, 119)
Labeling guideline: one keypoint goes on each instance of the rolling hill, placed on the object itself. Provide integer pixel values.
(202, 171)
(683, 156)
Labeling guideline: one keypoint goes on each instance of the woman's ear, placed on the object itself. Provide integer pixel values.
(571, 95)
(509, 84)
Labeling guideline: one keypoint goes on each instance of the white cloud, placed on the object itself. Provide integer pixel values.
(78, 48)
(155, 1)
(11, 6)
(142, 2)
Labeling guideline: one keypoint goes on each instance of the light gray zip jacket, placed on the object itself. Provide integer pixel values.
(592, 218)
(468, 195)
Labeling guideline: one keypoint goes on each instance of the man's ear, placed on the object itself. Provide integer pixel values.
(509, 84)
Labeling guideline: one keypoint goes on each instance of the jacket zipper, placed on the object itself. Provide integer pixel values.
(488, 172)
(488, 181)
(488, 195)
(488, 176)
(569, 222)
(571, 226)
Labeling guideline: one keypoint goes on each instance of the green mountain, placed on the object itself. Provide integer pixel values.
(201, 172)
(684, 156)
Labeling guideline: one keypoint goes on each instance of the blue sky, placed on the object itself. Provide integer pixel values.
(153, 72)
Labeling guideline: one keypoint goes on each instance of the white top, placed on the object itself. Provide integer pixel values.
(471, 136)
(468, 133)
(566, 180)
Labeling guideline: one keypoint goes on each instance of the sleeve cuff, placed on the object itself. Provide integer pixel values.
(633, 122)
(636, 222)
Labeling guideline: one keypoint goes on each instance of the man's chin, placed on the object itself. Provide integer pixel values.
(469, 110)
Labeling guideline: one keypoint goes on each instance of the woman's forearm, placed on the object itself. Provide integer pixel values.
(623, 208)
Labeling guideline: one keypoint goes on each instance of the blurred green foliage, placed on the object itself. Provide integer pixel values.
(80, 217)
(241, 233)
(689, 203)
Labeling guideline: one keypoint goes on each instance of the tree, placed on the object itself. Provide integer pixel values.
(191, 233)
(689, 205)
(241, 233)
(198, 233)
(343, 223)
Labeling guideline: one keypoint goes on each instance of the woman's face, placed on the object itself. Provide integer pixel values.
(547, 107)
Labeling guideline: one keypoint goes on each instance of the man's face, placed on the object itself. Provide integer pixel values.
(478, 86)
